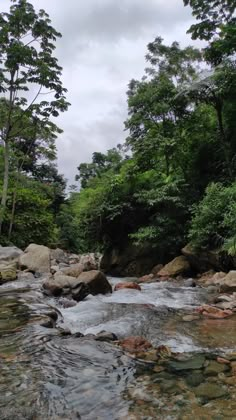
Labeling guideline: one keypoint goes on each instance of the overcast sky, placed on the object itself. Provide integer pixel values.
(103, 47)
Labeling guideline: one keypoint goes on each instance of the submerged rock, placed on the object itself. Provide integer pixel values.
(127, 285)
(135, 344)
(179, 265)
(195, 379)
(190, 318)
(213, 312)
(214, 368)
(190, 363)
(36, 258)
(210, 391)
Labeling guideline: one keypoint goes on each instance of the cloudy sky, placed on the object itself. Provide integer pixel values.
(103, 47)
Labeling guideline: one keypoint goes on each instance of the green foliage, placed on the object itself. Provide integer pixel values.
(27, 64)
(214, 218)
(181, 138)
(34, 219)
(216, 25)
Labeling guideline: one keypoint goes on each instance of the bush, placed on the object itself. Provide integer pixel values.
(214, 218)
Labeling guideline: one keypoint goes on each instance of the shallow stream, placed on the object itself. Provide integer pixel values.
(47, 374)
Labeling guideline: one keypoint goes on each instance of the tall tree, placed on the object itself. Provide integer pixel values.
(217, 24)
(27, 64)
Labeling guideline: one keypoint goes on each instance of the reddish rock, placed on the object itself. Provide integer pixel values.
(223, 361)
(127, 285)
(212, 312)
(148, 277)
(135, 344)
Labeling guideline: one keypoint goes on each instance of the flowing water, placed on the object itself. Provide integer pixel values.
(46, 374)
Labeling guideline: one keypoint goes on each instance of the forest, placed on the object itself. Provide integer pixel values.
(173, 180)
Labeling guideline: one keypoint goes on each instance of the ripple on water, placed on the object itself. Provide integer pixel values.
(46, 376)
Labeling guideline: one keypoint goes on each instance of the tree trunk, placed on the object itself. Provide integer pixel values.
(12, 213)
(6, 151)
(5, 184)
(223, 139)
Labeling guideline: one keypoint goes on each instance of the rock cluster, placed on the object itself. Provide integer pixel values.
(70, 275)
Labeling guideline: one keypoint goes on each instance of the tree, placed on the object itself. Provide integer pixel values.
(217, 88)
(217, 24)
(27, 64)
(154, 108)
(100, 163)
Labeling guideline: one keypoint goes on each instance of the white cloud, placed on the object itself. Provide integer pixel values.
(103, 47)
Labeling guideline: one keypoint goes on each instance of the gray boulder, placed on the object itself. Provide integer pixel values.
(228, 283)
(97, 282)
(9, 254)
(91, 282)
(36, 258)
(74, 270)
(59, 256)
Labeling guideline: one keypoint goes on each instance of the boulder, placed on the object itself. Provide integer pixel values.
(135, 344)
(60, 284)
(90, 261)
(59, 256)
(228, 283)
(205, 260)
(36, 258)
(74, 270)
(127, 285)
(179, 265)
(130, 260)
(211, 278)
(7, 273)
(92, 282)
(96, 281)
(156, 269)
(9, 254)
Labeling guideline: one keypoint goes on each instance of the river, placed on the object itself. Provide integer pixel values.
(48, 374)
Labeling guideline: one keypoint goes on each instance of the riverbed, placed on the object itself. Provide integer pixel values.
(55, 373)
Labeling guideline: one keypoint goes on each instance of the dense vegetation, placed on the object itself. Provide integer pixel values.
(32, 93)
(173, 180)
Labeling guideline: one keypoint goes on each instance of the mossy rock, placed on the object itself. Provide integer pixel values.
(7, 274)
(209, 391)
